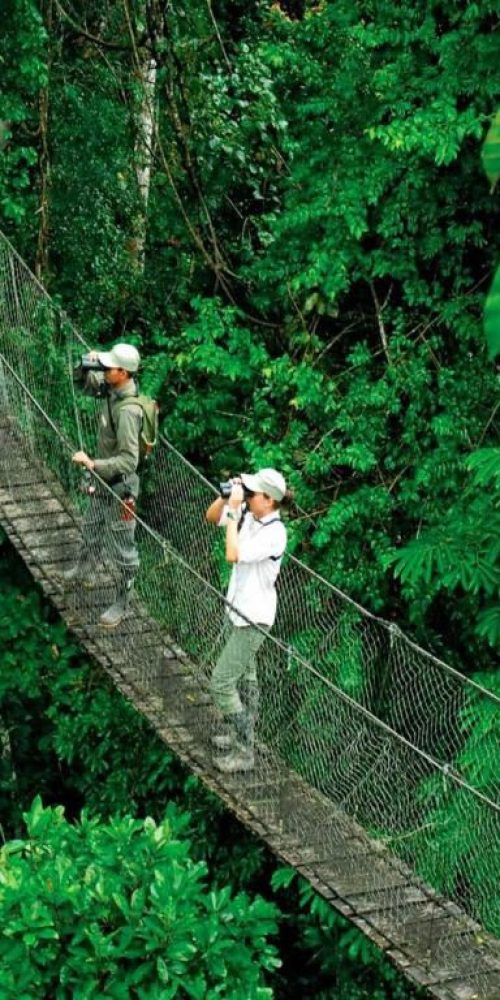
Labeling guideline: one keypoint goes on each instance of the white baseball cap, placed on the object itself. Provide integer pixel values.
(267, 481)
(122, 356)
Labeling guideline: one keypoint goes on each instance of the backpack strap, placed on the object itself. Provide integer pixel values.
(121, 404)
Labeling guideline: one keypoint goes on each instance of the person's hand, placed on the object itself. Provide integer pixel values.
(236, 497)
(81, 458)
(93, 355)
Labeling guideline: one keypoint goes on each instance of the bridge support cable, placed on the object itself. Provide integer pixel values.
(370, 773)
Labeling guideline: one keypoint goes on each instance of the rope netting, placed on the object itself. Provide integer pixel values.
(391, 749)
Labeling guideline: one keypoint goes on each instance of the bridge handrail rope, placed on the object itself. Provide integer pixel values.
(446, 770)
(390, 626)
(386, 733)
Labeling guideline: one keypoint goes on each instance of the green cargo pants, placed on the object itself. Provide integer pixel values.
(105, 533)
(236, 664)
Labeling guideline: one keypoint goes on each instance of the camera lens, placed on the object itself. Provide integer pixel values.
(225, 488)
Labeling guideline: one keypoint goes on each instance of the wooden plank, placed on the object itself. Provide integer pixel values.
(22, 475)
(423, 924)
(48, 541)
(24, 494)
(368, 876)
(48, 523)
(378, 901)
(483, 985)
(34, 507)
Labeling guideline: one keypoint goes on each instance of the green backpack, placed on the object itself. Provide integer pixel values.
(150, 424)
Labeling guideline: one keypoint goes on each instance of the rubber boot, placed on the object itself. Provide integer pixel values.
(252, 707)
(115, 614)
(223, 741)
(82, 571)
(240, 756)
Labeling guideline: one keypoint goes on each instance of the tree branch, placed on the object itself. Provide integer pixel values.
(86, 34)
(217, 32)
(380, 321)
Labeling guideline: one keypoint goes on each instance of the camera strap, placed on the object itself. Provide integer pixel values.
(273, 521)
(110, 415)
(262, 525)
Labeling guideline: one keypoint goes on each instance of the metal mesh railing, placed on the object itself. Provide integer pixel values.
(393, 750)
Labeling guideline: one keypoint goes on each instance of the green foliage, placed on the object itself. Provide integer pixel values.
(490, 153)
(70, 734)
(367, 239)
(23, 63)
(463, 550)
(492, 316)
(490, 156)
(315, 250)
(461, 859)
(316, 241)
(31, 650)
(96, 198)
(120, 909)
(66, 726)
(218, 352)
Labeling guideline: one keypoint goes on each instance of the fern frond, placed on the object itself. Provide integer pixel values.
(488, 625)
(463, 552)
(485, 464)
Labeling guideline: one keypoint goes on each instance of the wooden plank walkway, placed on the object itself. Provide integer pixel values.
(429, 938)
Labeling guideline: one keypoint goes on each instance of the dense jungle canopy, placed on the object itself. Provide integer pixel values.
(284, 206)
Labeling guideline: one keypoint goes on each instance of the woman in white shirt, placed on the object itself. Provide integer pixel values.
(255, 544)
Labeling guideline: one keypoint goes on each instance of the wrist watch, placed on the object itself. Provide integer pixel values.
(232, 515)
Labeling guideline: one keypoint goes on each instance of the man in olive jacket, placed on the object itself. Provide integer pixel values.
(109, 526)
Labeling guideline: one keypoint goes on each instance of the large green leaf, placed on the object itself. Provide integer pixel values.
(492, 317)
(490, 153)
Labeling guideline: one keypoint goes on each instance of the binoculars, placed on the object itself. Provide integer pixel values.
(88, 364)
(226, 487)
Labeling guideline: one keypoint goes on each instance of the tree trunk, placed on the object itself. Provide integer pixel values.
(42, 252)
(144, 157)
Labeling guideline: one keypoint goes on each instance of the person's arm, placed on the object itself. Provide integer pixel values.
(81, 458)
(214, 512)
(93, 383)
(81, 377)
(89, 382)
(232, 518)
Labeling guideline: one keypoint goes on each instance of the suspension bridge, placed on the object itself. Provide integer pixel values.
(370, 776)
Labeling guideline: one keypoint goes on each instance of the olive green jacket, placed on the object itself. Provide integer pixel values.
(117, 450)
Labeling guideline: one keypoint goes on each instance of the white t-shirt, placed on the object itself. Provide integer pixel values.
(261, 546)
